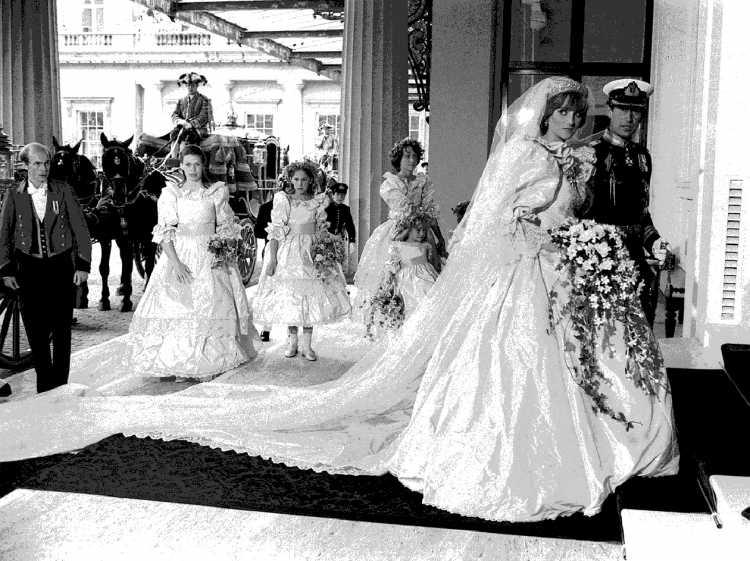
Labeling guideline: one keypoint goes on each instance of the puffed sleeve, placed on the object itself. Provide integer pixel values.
(279, 226)
(226, 225)
(393, 193)
(167, 215)
(537, 180)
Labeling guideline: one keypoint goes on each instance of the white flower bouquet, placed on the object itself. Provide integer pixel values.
(604, 289)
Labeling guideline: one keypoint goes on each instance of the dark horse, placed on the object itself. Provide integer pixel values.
(127, 211)
(78, 172)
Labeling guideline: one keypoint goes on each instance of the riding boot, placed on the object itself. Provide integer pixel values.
(306, 344)
(291, 348)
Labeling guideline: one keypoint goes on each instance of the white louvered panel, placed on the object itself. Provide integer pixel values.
(732, 250)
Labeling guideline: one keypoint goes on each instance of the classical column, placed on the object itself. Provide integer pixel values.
(156, 118)
(29, 67)
(290, 130)
(374, 102)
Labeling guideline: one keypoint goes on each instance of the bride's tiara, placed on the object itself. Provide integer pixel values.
(563, 85)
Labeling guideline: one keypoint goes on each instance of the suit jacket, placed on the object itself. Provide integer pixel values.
(197, 111)
(64, 226)
(340, 220)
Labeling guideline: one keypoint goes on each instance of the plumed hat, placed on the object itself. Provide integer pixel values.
(191, 77)
(628, 93)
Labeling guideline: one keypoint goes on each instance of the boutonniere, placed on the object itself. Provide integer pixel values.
(56, 207)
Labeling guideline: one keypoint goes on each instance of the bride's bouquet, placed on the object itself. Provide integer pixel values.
(604, 290)
(328, 252)
(226, 245)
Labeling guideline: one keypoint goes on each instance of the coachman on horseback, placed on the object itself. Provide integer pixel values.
(193, 114)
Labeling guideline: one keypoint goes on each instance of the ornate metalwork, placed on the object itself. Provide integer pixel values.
(332, 10)
(420, 48)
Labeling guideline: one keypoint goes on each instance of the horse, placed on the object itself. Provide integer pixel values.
(128, 213)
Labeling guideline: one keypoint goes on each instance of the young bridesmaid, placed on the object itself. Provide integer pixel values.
(290, 290)
(411, 255)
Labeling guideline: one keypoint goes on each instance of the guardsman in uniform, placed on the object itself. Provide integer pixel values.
(622, 180)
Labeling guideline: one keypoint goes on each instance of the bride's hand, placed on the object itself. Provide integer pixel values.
(182, 272)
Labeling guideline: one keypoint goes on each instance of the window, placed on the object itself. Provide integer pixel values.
(92, 16)
(261, 122)
(91, 125)
(594, 41)
(413, 126)
(332, 119)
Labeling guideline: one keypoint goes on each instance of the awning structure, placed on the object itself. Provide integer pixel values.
(303, 33)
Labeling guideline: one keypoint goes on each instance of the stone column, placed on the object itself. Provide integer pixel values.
(374, 103)
(156, 120)
(290, 114)
(29, 67)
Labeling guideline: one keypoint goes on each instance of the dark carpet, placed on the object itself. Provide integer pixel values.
(182, 472)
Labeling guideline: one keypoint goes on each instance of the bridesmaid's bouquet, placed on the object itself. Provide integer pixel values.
(226, 245)
(328, 252)
(604, 290)
(386, 310)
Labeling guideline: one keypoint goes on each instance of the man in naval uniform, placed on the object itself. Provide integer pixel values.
(621, 183)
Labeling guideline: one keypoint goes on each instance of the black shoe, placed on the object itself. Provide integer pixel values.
(265, 336)
(5, 390)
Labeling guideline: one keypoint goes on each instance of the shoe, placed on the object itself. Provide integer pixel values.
(5, 390)
(291, 348)
(306, 344)
(265, 336)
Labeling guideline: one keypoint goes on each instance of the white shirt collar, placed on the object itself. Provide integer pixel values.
(32, 189)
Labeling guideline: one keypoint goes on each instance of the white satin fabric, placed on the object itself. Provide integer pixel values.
(472, 403)
(294, 295)
(400, 195)
(415, 276)
(198, 329)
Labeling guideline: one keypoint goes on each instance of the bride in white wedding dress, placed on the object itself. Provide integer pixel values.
(472, 403)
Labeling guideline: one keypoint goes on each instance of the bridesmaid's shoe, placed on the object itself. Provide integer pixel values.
(307, 352)
(291, 349)
(265, 336)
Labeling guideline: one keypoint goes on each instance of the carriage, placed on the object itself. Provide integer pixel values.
(249, 166)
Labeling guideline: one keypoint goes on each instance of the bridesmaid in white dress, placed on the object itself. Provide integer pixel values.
(415, 275)
(402, 192)
(193, 321)
(290, 292)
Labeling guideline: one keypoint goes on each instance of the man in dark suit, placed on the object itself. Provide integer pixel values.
(45, 249)
(621, 183)
(192, 114)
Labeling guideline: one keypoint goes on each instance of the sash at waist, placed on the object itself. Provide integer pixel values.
(196, 229)
(309, 228)
(412, 261)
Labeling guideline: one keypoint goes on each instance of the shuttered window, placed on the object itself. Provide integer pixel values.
(732, 250)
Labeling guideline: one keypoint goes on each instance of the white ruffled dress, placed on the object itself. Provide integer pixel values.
(294, 294)
(400, 195)
(196, 330)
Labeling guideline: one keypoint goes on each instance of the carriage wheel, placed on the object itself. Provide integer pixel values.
(15, 352)
(247, 259)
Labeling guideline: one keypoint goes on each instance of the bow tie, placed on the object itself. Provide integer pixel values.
(33, 190)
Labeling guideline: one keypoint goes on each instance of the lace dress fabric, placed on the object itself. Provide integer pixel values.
(198, 329)
(294, 294)
(399, 194)
(415, 276)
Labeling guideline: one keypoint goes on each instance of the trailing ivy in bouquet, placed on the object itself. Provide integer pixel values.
(328, 252)
(226, 245)
(386, 306)
(604, 289)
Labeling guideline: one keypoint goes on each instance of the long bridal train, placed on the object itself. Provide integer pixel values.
(472, 403)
